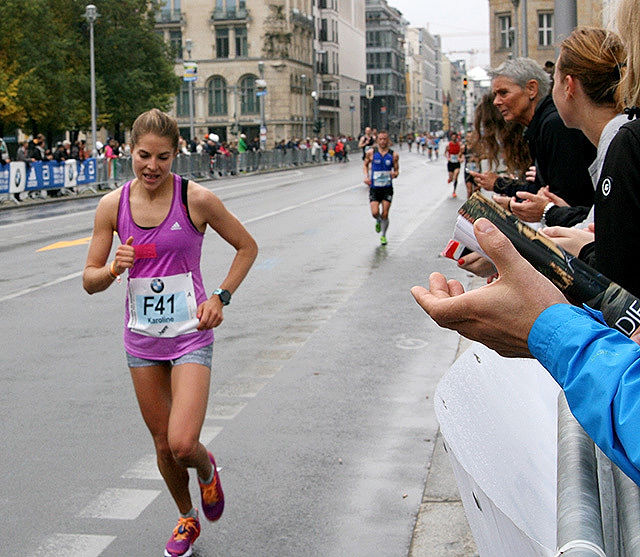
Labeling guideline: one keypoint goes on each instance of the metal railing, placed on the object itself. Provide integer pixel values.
(598, 505)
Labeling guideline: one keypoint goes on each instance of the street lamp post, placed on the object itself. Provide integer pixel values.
(263, 129)
(352, 109)
(91, 13)
(189, 45)
(303, 78)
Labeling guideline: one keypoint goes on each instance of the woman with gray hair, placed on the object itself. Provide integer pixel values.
(561, 155)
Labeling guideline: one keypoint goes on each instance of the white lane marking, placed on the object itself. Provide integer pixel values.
(253, 182)
(46, 219)
(120, 504)
(255, 219)
(298, 205)
(145, 469)
(242, 390)
(208, 433)
(224, 411)
(45, 285)
(73, 545)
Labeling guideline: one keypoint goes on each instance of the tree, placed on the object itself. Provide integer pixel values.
(44, 66)
(133, 64)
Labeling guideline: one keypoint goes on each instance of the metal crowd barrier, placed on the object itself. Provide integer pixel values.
(19, 180)
(598, 505)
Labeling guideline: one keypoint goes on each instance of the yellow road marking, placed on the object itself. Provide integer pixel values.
(66, 244)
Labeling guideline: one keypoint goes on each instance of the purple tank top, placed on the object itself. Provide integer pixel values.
(171, 248)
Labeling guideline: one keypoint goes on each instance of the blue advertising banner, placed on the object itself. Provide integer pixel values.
(4, 178)
(87, 171)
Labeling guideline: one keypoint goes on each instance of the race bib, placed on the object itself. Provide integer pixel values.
(162, 307)
(381, 178)
(453, 158)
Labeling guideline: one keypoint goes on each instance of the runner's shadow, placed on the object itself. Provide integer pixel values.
(380, 253)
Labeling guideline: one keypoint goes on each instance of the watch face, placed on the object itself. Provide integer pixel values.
(225, 296)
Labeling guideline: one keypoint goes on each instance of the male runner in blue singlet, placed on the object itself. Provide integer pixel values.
(380, 168)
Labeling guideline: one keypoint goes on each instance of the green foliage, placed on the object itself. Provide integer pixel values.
(45, 71)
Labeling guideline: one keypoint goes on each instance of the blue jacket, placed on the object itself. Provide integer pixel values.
(599, 370)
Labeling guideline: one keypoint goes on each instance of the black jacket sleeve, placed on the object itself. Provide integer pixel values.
(566, 216)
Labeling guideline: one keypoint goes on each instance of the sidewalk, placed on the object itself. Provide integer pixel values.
(441, 528)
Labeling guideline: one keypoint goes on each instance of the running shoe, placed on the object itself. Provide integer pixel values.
(383, 240)
(212, 495)
(181, 541)
(378, 226)
(454, 194)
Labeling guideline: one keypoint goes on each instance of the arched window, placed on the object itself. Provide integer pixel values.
(182, 100)
(248, 99)
(217, 93)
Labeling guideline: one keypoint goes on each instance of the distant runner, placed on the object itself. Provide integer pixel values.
(381, 166)
(453, 154)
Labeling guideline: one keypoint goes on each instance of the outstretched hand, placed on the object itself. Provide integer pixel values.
(501, 314)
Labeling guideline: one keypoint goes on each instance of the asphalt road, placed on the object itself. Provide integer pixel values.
(320, 418)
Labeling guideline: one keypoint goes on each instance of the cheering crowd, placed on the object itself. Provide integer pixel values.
(579, 186)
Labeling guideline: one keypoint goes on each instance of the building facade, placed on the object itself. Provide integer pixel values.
(537, 17)
(424, 88)
(240, 46)
(386, 70)
(340, 65)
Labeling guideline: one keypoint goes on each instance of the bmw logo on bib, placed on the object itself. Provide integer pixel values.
(157, 285)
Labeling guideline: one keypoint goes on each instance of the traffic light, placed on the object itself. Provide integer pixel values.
(317, 126)
(369, 91)
(465, 82)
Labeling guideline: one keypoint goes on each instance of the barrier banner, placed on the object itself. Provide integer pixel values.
(87, 171)
(34, 176)
(56, 170)
(4, 178)
(70, 173)
(17, 176)
(498, 418)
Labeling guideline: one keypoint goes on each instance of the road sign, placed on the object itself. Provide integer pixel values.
(190, 72)
(369, 92)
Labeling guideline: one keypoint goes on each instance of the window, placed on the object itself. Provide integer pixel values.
(217, 93)
(504, 31)
(222, 42)
(323, 30)
(182, 100)
(242, 46)
(175, 42)
(248, 99)
(545, 29)
(323, 63)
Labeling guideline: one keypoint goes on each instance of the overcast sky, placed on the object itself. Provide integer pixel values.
(462, 24)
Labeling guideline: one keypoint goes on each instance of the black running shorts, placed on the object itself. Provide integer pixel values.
(381, 194)
(451, 166)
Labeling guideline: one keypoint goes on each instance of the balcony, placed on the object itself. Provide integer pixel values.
(325, 101)
(169, 16)
(301, 20)
(230, 14)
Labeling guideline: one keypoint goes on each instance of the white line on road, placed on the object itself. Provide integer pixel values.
(77, 545)
(45, 285)
(120, 504)
(248, 221)
(145, 469)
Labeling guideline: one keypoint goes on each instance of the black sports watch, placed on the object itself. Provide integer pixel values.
(224, 295)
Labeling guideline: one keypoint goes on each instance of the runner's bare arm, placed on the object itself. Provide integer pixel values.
(396, 165)
(365, 167)
(206, 209)
(97, 275)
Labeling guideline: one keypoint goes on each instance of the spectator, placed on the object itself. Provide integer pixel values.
(60, 155)
(22, 153)
(523, 314)
(242, 143)
(561, 155)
